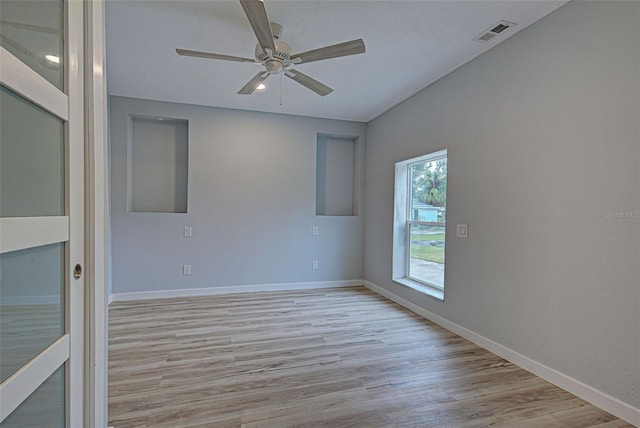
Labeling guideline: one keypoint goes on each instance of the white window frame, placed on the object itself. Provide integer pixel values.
(401, 227)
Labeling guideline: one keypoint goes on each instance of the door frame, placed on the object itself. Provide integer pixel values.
(96, 217)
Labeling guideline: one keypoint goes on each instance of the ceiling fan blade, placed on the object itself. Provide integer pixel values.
(310, 83)
(253, 83)
(30, 27)
(257, 15)
(341, 49)
(18, 47)
(199, 54)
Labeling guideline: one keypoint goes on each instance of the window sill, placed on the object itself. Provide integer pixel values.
(433, 292)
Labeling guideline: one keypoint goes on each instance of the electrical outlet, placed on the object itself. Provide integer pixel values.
(186, 269)
(462, 230)
(314, 230)
(314, 265)
(187, 231)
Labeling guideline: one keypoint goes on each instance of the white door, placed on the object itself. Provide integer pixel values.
(41, 213)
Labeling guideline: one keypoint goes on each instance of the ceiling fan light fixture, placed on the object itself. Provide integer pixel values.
(261, 87)
(53, 58)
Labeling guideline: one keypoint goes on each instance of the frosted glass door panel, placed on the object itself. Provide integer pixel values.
(31, 159)
(32, 31)
(31, 304)
(43, 408)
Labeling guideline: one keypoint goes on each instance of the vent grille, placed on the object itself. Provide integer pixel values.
(491, 32)
(486, 37)
(499, 28)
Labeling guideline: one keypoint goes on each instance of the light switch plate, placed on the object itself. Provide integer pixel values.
(462, 230)
(187, 231)
(186, 269)
(314, 230)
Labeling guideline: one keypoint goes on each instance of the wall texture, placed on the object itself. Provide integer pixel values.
(543, 133)
(251, 204)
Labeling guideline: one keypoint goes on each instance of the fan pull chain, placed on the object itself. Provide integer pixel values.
(281, 87)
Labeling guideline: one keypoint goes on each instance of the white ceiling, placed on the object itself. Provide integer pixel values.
(410, 44)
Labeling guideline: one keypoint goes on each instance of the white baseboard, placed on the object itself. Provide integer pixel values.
(212, 291)
(597, 398)
(30, 300)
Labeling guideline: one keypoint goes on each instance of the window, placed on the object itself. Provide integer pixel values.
(419, 223)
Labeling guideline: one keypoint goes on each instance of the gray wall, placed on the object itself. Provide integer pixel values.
(251, 204)
(543, 133)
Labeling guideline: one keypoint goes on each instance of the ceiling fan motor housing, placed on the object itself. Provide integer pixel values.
(278, 59)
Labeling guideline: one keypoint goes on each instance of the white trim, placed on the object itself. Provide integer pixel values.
(23, 80)
(213, 291)
(588, 393)
(429, 157)
(431, 291)
(96, 198)
(75, 180)
(29, 377)
(30, 300)
(19, 233)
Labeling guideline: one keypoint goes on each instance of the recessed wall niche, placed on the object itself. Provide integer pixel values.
(335, 175)
(159, 165)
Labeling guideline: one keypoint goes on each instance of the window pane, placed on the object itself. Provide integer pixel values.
(428, 204)
(32, 31)
(31, 304)
(428, 191)
(426, 254)
(44, 408)
(31, 159)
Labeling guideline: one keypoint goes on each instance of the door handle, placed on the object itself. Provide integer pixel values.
(77, 271)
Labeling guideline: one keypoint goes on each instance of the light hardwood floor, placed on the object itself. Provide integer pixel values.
(320, 358)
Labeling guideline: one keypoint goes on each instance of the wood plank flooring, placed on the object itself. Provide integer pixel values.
(320, 358)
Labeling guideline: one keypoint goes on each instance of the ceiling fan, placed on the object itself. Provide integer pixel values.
(275, 55)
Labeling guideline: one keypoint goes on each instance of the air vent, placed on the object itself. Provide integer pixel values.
(486, 37)
(491, 32)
